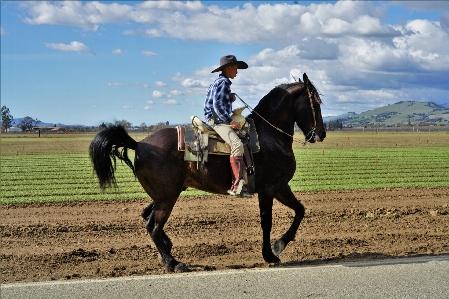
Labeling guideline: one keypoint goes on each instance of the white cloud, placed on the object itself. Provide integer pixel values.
(115, 84)
(347, 48)
(74, 13)
(128, 107)
(148, 53)
(160, 84)
(117, 51)
(176, 93)
(170, 102)
(74, 46)
(150, 102)
(140, 85)
(2, 32)
(147, 108)
(158, 94)
(190, 82)
(265, 23)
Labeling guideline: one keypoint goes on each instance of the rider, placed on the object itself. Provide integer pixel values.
(218, 109)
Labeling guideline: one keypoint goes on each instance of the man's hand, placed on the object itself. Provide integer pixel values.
(235, 125)
(232, 97)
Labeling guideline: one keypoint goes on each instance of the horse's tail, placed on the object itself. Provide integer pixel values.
(104, 149)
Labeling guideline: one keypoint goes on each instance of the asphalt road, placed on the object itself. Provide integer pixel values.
(420, 277)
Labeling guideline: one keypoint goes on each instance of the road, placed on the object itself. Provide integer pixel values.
(418, 277)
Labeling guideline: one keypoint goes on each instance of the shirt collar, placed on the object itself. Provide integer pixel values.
(223, 76)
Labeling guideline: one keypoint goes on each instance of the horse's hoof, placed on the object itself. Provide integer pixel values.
(272, 260)
(278, 247)
(181, 267)
(269, 257)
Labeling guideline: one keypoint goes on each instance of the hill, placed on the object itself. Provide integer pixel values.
(401, 113)
(16, 122)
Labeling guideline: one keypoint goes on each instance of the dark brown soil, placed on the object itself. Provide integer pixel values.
(78, 240)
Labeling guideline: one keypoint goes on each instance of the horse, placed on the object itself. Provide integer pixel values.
(161, 170)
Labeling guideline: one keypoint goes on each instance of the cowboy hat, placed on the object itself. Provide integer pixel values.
(230, 60)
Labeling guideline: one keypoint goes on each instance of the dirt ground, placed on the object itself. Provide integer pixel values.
(79, 240)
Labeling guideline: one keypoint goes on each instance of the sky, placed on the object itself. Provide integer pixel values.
(90, 62)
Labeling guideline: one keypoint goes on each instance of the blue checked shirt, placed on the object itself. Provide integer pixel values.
(219, 98)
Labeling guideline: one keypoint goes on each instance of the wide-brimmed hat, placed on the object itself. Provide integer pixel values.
(230, 60)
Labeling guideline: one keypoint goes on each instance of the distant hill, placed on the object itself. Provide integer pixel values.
(16, 121)
(401, 113)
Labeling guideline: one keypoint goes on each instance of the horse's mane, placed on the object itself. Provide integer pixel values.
(273, 98)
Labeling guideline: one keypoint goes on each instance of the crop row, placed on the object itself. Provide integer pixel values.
(70, 177)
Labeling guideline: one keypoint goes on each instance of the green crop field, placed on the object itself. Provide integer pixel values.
(57, 168)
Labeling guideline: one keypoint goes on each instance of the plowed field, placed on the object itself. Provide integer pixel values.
(99, 239)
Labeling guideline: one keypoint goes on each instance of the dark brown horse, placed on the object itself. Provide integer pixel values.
(163, 173)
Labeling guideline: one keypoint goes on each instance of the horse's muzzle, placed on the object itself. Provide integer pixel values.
(319, 138)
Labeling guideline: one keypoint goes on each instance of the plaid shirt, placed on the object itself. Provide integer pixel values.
(219, 98)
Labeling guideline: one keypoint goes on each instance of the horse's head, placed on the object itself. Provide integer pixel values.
(307, 112)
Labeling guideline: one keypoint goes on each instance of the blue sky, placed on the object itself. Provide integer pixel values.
(93, 61)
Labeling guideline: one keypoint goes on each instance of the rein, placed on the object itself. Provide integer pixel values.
(311, 132)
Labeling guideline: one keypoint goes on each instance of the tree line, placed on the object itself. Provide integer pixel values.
(127, 125)
(28, 123)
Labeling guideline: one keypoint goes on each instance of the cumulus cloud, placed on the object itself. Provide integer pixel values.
(128, 107)
(117, 51)
(147, 108)
(160, 84)
(72, 47)
(87, 15)
(150, 102)
(170, 102)
(347, 48)
(176, 93)
(265, 23)
(158, 94)
(2, 31)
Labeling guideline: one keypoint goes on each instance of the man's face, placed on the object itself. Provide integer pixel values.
(231, 71)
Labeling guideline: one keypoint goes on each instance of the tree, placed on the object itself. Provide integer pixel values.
(102, 126)
(123, 123)
(143, 127)
(6, 119)
(28, 123)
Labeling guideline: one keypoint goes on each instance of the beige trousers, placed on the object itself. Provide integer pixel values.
(230, 137)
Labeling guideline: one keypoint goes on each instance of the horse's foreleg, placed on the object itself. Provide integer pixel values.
(286, 197)
(266, 215)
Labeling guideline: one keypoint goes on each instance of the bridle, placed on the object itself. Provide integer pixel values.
(312, 132)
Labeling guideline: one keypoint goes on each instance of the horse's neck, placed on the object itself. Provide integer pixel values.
(278, 121)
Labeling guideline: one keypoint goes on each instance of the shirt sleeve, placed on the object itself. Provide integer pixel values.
(222, 102)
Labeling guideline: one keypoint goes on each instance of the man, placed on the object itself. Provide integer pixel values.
(217, 111)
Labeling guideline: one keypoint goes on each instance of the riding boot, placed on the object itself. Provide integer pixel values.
(238, 183)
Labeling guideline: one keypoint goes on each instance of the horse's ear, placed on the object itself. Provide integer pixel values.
(305, 79)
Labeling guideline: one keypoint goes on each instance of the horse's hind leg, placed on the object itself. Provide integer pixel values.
(148, 215)
(286, 197)
(155, 227)
(266, 215)
(146, 212)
